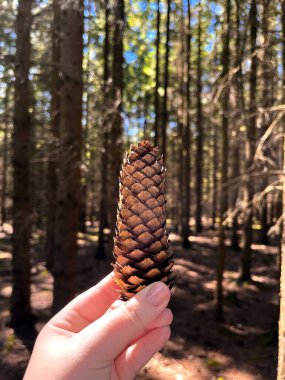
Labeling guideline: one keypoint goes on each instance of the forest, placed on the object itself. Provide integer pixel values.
(82, 80)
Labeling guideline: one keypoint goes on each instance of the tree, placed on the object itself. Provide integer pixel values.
(116, 137)
(281, 343)
(281, 346)
(199, 138)
(164, 112)
(223, 196)
(103, 216)
(235, 132)
(157, 79)
(5, 151)
(267, 101)
(20, 300)
(187, 135)
(52, 180)
(70, 131)
(245, 266)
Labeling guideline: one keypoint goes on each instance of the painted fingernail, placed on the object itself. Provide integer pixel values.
(157, 294)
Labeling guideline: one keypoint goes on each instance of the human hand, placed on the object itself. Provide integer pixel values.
(98, 337)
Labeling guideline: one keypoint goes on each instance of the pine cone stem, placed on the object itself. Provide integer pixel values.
(141, 246)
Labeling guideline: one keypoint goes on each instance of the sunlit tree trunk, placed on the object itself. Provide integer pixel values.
(245, 266)
(164, 117)
(20, 300)
(70, 132)
(157, 78)
(200, 131)
(223, 194)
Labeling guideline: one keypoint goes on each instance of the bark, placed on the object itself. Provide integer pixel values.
(214, 176)
(70, 132)
(157, 81)
(236, 143)
(5, 151)
(281, 345)
(52, 180)
(266, 117)
(180, 195)
(245, 266)
(225, 60)
(200, 131)
(86, 138)
(103, 216)
(164, 118)
(187, 137)
(235, 174)
(116, 138)
(20, 299)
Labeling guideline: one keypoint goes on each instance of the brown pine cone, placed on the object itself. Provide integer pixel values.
(141, 245)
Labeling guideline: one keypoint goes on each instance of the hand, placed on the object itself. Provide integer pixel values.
(98, 337)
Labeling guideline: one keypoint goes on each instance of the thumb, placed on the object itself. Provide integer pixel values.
(114, 331)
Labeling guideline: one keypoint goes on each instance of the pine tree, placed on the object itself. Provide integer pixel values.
(200, 132)
(223, 190)
(52, 180)
(245, 265)
(20, 300)
(70, 132)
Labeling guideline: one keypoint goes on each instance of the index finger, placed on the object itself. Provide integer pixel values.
(88, 306)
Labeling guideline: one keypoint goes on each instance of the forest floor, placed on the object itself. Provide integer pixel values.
(244, 347)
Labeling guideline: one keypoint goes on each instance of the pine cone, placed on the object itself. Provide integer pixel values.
(141, 245)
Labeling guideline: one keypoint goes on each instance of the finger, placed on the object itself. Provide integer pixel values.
(115, 305)
(118, 328)
(87, 307)
(129, 363)
(163, 319)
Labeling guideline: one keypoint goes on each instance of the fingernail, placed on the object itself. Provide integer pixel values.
(157, 294)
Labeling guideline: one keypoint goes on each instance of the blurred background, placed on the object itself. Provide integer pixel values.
(205, 81)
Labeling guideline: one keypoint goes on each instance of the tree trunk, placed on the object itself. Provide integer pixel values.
(20, 300)
(200, 132)
(5, 151)
(245, 267)
(70, 132)
(281, 348)
(214, 176)
(157, 79)
(236, 143)
(116, 137)
(266, 116)
(103, 215)
(223, 196)
(235, 194)
(52, 180)
(187, 137)
(164, 118)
